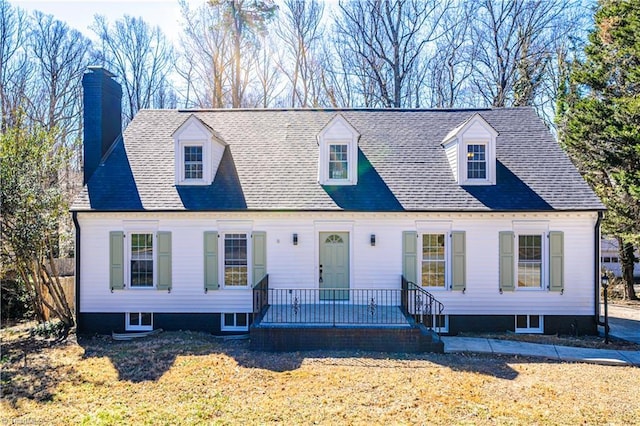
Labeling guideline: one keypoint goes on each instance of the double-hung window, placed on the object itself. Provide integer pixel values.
(141, 260)
(235, 260)
(530, 271)
(476, 161)
(193, 162)
(434, 263)
(338, 162)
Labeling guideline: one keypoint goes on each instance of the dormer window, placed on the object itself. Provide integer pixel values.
(476, 161)
(193, 162)
(338, 162)
(338, 159)
(471, 151)
(198, 151)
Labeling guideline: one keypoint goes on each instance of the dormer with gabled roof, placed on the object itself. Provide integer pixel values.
(338, 159)
(198, 151)
(471, 152)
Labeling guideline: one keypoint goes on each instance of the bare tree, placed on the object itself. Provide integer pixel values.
(244, 21)
(140, 55)
(299, 28)
(386, 39)
(60, 57)
(451, 64)
(517, 41)
(268, 75)
(15, 69)
(205, 56)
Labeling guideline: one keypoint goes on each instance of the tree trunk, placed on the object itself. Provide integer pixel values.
(627, 262)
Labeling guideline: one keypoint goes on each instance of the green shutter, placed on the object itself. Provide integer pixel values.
(211, 261)
(116, 260)
(458, 258)
(164, 261)
(507, 261)
(259, 265)
(556, 261)
(410, 256)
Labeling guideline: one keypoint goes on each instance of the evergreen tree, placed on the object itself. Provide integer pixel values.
(599, 122)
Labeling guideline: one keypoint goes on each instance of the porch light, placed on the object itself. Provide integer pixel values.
(373, 240)
(295, 239)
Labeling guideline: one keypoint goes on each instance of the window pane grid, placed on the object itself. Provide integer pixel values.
(193, 162)
(142, 260)
(433, 260)
(476, 162)
(530, 261)
(235, 260)
(338, 163)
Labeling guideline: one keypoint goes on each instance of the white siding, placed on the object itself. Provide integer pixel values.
(378, 266)
(451, 151)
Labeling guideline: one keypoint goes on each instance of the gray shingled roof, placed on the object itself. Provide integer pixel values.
(271, 163)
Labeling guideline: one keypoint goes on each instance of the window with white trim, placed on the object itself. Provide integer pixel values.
(439, 322)
(338, 161)
(434, 260)
(236, 260)
(338, 153)
(476, 161)
(235, 321)
(530, 261)
(529, 324)
(139, 321)
(141, 259)
(193, 162)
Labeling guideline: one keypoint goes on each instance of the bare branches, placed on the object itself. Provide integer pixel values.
(141, 56)
(384, 41)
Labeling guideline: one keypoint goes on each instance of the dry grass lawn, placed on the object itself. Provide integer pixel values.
(193, 378)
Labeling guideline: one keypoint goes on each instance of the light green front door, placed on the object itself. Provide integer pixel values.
(334, 265)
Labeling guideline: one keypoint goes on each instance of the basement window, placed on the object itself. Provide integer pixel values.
(439, 322)
(139, 321)
(235, 321)
(529, 324)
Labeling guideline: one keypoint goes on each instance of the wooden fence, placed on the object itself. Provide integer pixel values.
(69, 288)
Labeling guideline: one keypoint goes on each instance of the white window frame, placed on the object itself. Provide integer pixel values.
(184, 162)
(329, 161)
(206, 162)
(129, 255)
(486, 163)
(522, 228)
(139, 327)
(338, 132)
(234, 327)
(528, 329)
(543, 260)
(489, 160)
(221, 249)
(447, 258)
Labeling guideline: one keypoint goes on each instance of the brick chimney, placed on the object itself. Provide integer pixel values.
(102, 104)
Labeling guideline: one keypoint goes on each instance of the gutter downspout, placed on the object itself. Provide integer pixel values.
(596, 275)
(74, 216)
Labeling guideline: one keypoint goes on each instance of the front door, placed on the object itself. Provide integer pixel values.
(334, 265)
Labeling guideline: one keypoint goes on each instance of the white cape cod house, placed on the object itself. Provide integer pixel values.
(215, 220)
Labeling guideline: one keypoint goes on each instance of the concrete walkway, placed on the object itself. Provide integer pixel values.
(624, 323)
(560, 353)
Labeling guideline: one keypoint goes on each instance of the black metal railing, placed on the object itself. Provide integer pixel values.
(330, 306)
(422, 306)
(340, 306)
(260, 298)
